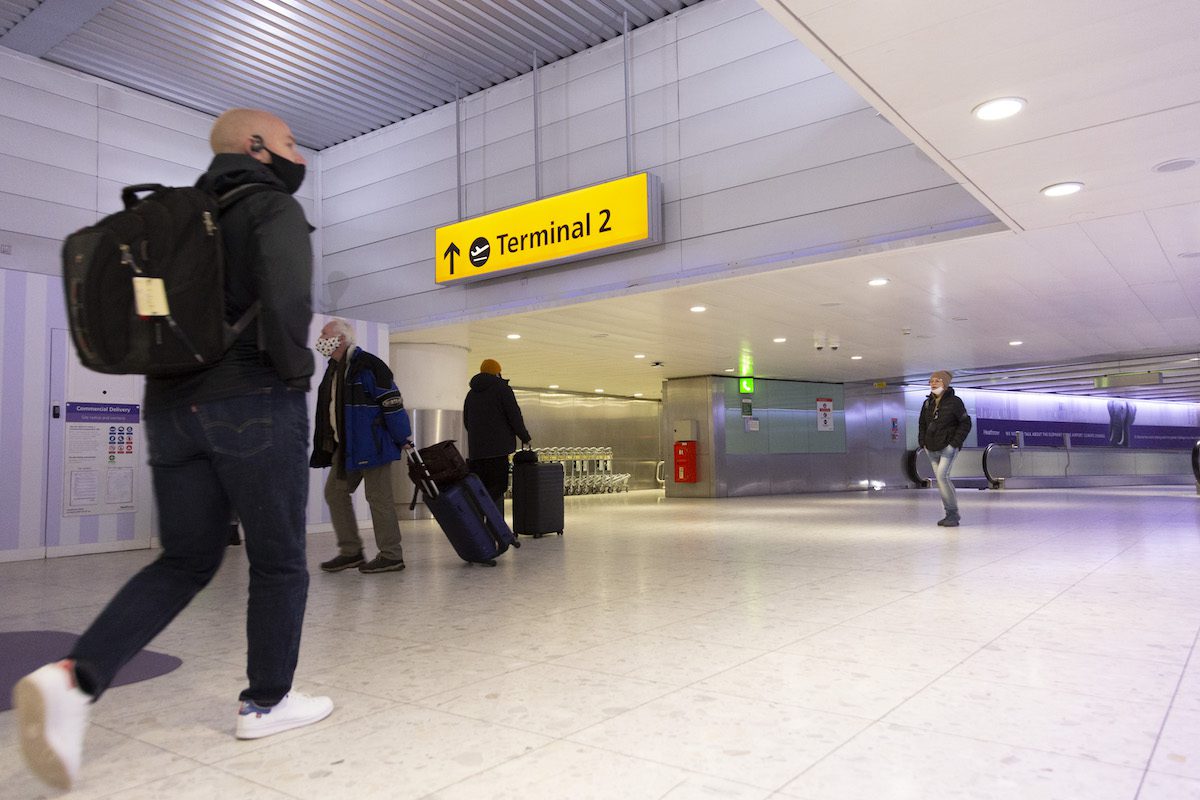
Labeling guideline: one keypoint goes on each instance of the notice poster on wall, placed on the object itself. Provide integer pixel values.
(825, 413)
(102, 442)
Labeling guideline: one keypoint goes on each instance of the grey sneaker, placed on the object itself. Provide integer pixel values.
(382, 563)
(950, 521)
(342, 562)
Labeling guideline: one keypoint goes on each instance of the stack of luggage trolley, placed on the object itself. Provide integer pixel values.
(587, 470)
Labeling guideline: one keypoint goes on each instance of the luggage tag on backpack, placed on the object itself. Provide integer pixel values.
(150, 297)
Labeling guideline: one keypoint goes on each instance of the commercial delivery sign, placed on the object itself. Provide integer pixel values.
(605, 218)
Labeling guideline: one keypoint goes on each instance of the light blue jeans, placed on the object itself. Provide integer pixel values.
(942, 460)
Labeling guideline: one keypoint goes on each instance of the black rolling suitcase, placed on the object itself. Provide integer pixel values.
(537, 493)
(466, 514)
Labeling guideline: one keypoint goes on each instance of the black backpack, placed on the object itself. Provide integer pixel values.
(145, 287)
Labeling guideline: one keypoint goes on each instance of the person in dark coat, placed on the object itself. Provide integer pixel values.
(942, 430)
(494, 423)
(225, 439)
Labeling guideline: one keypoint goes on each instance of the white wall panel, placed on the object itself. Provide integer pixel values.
(395, 136)
(37, 74)
(379, 256)
(39, 254)
(800, 104)
(391, 191)
(415, 154)
(903, 170)
(505, 190)
(47, 109)
(705, 16)
(504, 122)
(777, 68)
(731, 42)
(45, 145)
(851, 229)
(124, 166)
(154, 140)
(852, 135)
(151, 109)
(45, 182)
(41, 218)
(433, 210)
(498, 157)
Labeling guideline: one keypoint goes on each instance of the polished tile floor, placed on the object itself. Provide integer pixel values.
(829, 647)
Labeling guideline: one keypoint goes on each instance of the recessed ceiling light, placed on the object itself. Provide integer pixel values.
(1175, 165)
(599, 391)
(698, 309)
(729, 370)
(637, 394)
(514, 336)
(639, 355)
(1000, 108)
(779, 340)
(1062, 189)
(856, 358)
(553, 386)
(1015, 343)
(877, 282)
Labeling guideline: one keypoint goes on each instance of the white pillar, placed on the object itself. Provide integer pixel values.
(433, 379)
(431, 375)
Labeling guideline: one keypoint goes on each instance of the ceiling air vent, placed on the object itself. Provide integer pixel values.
(1121, 379)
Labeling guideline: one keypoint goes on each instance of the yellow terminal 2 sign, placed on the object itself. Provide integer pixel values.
(608, 217)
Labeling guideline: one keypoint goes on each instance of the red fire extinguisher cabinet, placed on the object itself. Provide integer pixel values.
(685, 462)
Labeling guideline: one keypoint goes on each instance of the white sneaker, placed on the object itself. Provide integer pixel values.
(295, 710)
(52, 717)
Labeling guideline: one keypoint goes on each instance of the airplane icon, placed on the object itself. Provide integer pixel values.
(476, 252)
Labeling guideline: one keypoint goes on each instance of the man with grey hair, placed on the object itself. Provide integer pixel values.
(361, 428)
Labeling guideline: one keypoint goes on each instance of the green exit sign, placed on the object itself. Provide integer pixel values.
(745, 385)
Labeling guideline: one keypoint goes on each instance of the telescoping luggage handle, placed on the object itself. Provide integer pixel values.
(426, 484)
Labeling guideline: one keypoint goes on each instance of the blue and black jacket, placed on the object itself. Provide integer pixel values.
(371, 419)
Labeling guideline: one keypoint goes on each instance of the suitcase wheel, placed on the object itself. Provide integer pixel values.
(516, 543)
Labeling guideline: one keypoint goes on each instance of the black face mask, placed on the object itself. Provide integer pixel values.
(291, 173)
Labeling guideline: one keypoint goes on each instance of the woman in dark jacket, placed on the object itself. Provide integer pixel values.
(493, 421)
(942, 430)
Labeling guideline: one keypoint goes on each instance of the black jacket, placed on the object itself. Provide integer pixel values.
(492, 417)
(268, 258)
(944, 423)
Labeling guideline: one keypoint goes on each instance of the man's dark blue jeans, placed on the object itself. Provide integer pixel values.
(247, 454)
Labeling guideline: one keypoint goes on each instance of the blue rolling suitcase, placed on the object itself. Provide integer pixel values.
(466, 514)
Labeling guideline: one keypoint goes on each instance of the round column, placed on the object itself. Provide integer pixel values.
(433, 381)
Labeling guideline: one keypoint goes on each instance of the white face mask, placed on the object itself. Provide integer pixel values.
(328, 345)
(937, 390)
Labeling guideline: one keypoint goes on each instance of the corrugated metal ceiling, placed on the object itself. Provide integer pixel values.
(334, 70)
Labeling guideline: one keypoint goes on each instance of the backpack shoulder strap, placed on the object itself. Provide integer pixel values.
(239, 193)
(224, 203)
